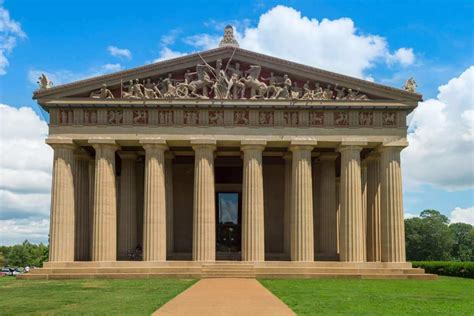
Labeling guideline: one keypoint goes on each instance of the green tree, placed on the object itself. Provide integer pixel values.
(463, 247)
(428, 237)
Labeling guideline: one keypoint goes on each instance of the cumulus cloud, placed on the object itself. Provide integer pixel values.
(441, 151)
(65, 76)
(119, 52)
(25, 175)
(463, 215)
(10, 32)
(167, 53)
(335, 45)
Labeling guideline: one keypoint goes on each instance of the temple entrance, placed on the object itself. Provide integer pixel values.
(228, 172)
(228, 222)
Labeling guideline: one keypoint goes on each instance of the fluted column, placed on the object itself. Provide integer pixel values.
(302, 235)
(169, 202)
(363, 177)
(61, 245)
(253, 237)
(328, 214)
(127, 219)
(204, 209)
(91, 203)
(393, 230)
(104, 233)
(373, 208)
(351, 226)
(316, 181)
(338, 213)
(287, 206)
(154, 211)
(82, 206)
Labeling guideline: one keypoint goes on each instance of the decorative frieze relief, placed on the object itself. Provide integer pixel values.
(229, 117)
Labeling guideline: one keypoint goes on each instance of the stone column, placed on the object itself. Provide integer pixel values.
(61, 244)
(363, 177)
(204, 209)
(169, 202)
(338, 212)
(393, 230)
(373, 208)
(328, 215)
(82, 206)
(91, 203)
(287, 206)
(127, 219)
(253, 237)
(154, 211)
(104, 233)
(351, 226)
(302, 235)
(316, 180)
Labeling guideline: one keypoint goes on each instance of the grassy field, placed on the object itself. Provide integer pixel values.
(111, 297)
(445, 296)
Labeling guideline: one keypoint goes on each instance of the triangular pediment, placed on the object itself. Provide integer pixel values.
(242, 75)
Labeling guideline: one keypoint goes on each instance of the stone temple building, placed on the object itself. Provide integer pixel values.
(226, 163)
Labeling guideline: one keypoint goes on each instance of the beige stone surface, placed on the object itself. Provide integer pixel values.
(127, 219)
(373, 242)
(104, 232)
(204, 209)
(352, 237)
(154, 212)
(393, 229)
(62, 204)
(225, 297)
(82, 207)
(287, 206)
(253, 241)
(328, 217)
(302, 236)
(316, 181)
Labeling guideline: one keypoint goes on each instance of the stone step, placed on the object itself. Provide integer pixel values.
(334, 270)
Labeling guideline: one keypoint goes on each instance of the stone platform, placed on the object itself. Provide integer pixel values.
(226, 269)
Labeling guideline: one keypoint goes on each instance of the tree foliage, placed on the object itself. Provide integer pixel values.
(25, 254)
(430, 237)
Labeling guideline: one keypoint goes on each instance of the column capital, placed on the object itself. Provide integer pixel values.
(393, 146)
(103, 142)
(328, 156)
(204, 143)
(302, 145)
(128, 155)
(153, 141)
(61, 143)
(342, 148)
(253, 144)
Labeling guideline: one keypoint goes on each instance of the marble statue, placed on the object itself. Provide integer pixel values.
(235, 85)
(308, 94)
(258, 88)
(410, 85)
(354, 95)
(328, 93)
(340, 92)
(43, 82)
(103, 93)
(228, 39)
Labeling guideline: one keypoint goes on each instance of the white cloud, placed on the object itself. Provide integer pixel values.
(15, 231)
(403, 56)
(10, 31)
(64, 76)
(167, 53)
(441, 151)
(410, 215)
(25, 165)
(463, 215)
(119, 52)
(334, 45)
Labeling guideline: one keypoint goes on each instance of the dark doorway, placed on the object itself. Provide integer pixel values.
(228, 218)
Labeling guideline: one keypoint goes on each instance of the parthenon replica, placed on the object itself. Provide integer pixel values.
(226, 163)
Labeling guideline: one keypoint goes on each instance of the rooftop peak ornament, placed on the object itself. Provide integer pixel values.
(228, 40)
(410, 85)
(43, 82)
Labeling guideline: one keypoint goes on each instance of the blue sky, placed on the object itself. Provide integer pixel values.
(384, 41)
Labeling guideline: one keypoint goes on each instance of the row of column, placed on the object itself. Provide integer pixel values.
(362, 204)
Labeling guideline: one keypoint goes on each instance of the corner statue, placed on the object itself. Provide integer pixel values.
(410, 85)
(43, 82)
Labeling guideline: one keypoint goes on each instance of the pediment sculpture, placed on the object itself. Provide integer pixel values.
(229, 82)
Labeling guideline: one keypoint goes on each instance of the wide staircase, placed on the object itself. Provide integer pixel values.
(226, 269)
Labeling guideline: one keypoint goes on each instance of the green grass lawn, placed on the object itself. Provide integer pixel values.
(112, 297)
(445, 296)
